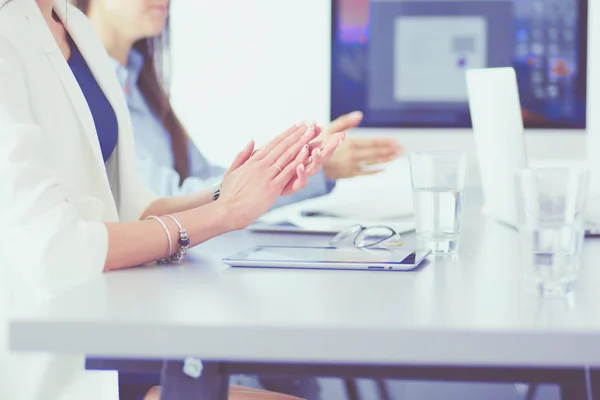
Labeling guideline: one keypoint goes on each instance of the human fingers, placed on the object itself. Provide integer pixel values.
(328, 146)
(318, 129)
(264, 151)
(380, 159)
(298, 183)
(377, 142)
(373, 154)
(242, 157)
(289, 172)
(331, 145)
(286, 151)
(345, 122)
(369, 172)
(315, 162)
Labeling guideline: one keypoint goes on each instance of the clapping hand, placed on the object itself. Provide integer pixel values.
(257, 178)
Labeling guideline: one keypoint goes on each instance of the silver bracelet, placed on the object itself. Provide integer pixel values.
(165, 260)
(184, 242)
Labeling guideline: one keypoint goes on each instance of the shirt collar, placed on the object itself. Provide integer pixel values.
(128, 75)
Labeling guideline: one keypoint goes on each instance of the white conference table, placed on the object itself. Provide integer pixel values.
(468, 317)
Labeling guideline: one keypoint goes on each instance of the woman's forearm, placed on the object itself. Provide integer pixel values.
(135, 243)
(173, 205)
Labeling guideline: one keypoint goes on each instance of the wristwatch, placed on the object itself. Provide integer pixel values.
(216, 192)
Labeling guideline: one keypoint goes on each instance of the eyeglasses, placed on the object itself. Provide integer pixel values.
(362, 236)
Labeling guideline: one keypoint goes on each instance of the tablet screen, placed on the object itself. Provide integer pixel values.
(348, 255)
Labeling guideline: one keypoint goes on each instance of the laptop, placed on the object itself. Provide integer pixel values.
(499, 140)
(499, 137)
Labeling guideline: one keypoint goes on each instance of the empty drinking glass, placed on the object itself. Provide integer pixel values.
(438, 183)
(551, 219)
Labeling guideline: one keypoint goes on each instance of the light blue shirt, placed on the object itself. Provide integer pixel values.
(153, 148)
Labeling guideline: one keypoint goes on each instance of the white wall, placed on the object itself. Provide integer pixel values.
(248, 69)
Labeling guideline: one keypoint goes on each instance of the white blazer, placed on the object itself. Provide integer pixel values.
(54, 191)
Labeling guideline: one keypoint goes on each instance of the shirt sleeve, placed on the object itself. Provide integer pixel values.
(44, 239)
(165, 181)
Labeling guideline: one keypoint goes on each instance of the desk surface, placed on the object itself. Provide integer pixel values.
(473, 309)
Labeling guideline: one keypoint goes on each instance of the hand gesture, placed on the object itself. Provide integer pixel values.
(256, 179)
(354, 154)
(321, 152)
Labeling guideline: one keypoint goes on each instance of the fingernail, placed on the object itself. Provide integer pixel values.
(301, 166)
(356, 114)
(305, 148)
(309, 131)
(310, 160)
(318, 152)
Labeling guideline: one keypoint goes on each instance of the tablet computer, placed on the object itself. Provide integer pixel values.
(374, 259)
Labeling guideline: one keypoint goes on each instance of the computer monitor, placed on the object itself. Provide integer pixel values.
(403, 62)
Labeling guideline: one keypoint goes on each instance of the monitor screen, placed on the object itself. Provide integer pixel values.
(403, 62)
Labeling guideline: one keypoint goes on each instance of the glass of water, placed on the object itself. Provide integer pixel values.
(551, 217)
(438, 183)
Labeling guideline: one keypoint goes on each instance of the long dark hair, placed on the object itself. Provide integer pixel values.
(152, 82)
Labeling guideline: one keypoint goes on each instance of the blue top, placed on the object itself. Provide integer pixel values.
(153, 148)
(104, 116)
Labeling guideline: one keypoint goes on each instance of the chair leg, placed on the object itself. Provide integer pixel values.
(575, 388)
(351, 389)
(531, 391)
(384, 394)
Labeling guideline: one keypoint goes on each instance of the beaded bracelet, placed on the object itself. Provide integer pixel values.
(184, 242)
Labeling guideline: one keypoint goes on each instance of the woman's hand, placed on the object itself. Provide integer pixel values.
(320, 153)
(256, 179)
(355, 153)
